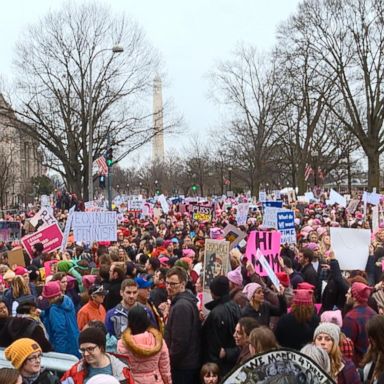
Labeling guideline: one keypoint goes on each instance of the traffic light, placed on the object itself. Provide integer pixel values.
(158, 191)
(109, 157)
(194, 187)
(102, 181)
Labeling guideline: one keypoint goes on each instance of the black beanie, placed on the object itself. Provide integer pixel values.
(93, 335)
(219, 286)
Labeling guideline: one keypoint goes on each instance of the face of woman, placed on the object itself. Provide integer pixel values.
(327, 240)
(91, 352)
(240, 336)
(63, 284)
(324, 341)
(258, 296)
(211, 378)
(32, 365)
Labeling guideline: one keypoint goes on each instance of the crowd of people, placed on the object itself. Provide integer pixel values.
(134, 310)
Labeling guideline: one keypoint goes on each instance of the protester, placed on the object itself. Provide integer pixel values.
(318, 355)
(261, 339)
(147, 352)
(25, 355)
(210, 374)
(242, 331)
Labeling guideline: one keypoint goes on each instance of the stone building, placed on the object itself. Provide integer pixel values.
(20, 160)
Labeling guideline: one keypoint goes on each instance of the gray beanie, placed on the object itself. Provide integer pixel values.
(330, 329)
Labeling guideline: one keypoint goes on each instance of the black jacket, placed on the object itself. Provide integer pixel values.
(218, 331)
(183, 332)
(113, 296)
(309, 274)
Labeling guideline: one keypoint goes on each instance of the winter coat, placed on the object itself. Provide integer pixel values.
(113, 296)
(218, 331)
(90, 311)
(348, 374)
(60, 321)
(309, 274)
(148, 356)
(78, 372)
(183, 332)
(44, 377)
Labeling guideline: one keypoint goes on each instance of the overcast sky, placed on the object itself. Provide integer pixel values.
(191, 36)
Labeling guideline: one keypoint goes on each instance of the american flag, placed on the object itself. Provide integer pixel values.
(102, 164)
(308, 172)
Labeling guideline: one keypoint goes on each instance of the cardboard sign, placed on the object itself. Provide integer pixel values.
(202, 213)
(94, 226)
(242, 213)
(286, 226)
(269, 245)
(351, 247)
(16, 256)
(51, 237)
(46, 215)
(279, 366)
(234, 235)
(10, 231)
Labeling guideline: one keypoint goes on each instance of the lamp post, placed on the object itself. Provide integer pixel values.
(230, 178)
(115, 49)
(315, 155)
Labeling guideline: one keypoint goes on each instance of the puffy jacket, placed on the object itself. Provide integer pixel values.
(78, 372)
(183, 332)
(90, 311)
(148, 356)
(60, 321)
(218, 331)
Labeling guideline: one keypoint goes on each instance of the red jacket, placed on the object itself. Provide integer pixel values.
(120, 370)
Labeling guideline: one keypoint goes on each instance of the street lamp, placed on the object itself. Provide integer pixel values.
(230, 177)
(315, 155)
(114, 49)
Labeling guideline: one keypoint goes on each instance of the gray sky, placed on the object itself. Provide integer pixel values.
(191, 36)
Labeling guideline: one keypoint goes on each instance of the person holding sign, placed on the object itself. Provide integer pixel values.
(258, 308)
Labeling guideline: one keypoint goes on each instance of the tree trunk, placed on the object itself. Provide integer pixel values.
(300, 178)
(373, 169)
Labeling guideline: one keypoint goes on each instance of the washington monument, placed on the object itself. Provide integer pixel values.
(158, 128)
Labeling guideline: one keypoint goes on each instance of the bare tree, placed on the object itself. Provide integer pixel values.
(70, 83)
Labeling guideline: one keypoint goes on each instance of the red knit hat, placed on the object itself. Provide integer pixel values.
(361, 292)
(302, 297)
(283, 278)
(306, 286)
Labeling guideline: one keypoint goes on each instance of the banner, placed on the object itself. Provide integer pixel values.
(234, 235)
(242, 213)
(51, 237)
(269, 245)
(351, 247)
(94, 226)
(262, 196)
(163, 202)
(10, 231)
(286, 226)
(279, 366)
(202, 213)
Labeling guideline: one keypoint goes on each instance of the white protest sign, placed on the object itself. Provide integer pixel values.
(67, 229)
(371, 198)
(44, 201)
(309, 196)
(267, 268)
(270, 216)
(46, 215)
(286, 226)
(375, 218)
(262, 196)
(351, 247)
(242, 213)
(277, 194)
(336, 198)
(163, 203)
(94, 226)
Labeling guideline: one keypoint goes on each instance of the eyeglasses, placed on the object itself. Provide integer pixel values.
(88, 349)
(35, 358)
(171, 283)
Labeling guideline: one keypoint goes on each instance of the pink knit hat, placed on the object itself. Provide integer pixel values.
(332, 317)
(235, 276)
(250, 289)
(51, 290)
(361, 292)
(302, 297)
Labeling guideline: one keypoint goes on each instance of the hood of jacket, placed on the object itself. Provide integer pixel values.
(214, 303)
(66, 304)
(186, 295)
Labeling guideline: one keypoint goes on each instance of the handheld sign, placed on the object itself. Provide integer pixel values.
(286, 226)
(94, 226)
(242, 213)
(202, 213)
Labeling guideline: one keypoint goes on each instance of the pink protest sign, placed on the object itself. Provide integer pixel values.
(269, 245)
(51, 238)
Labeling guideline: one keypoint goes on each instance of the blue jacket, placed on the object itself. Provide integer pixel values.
(60, 322)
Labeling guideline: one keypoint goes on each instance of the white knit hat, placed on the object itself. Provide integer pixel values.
(103, 379)
(329, 329)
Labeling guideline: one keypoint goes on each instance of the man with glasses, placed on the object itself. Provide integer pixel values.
(25, 355)
(95, 360)
(182, 333)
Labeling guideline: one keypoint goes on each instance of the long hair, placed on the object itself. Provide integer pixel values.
(336, 357)
(303, 312)
(262, 339)
(9, 375)
(19, 287)
(375, 353)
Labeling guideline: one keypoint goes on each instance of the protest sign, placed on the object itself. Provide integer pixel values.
(275, 204)
(46, 215)
(202, 213)
(269, 245)
(278, 366)
(277, 194)
(352, 206)
(351, 247)
(67, 229)
(242, 213)
(44, 201)
(233, 234)
(10, 231)
(157, 213)
(94, 226)
(375, 218)
(371, 198)
(336, 198)
(94, 206)
(286, 226)
(309, 196)
(163, 202)
(262, 196)
(51, 237)
(216, 260)
(270, 217)
(16, 257)
(271, 274)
